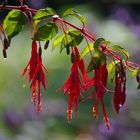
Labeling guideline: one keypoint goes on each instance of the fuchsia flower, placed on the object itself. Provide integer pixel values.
(76, 83)
(31, 66)
(100, 83)
(120, 87)
(36, 74)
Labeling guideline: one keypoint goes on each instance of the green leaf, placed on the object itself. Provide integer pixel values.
(72, 38)
(87, 49)
(98, 42)
(13, 23)
(138, 70)
(133, 72)
(111, 69)
(75, 14)
(138, 87)
(90, 66)
(44, 13)
(122, 50)
(46, 32)
(102, 58)
(93, 64)
(57, 41)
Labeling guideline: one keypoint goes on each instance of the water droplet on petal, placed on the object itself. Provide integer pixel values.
(120, 105)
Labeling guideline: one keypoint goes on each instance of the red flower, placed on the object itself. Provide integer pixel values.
(117, 94)
(100, 83)
(36, 74)
(120, 88)
(74, 85)
(87, 83)
(31, 66)
(38, 80)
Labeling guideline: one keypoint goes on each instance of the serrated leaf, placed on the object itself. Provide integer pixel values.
(13, 23)
(57, 41)
(71, 38)
(46, 32)
(75, 14)
(87, 49)
(118, 48)
(44, 13)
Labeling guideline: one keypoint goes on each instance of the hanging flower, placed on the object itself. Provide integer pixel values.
(86, 81)
(100, 83)
(38, 80)
(74, 84)
(31, 66)
(120, 87)
(36, 74)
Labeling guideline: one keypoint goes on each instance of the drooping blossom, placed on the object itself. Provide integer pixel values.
(76, 83)
(100, 83)
(36, 74)
(120, 87)
(31, 66)
(38, 80)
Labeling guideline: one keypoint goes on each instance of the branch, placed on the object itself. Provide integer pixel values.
(22, 8)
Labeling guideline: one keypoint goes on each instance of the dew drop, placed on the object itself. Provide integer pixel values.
(120, 105)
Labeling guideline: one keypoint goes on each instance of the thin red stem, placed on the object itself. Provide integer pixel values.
(22, 8)
(91, 37)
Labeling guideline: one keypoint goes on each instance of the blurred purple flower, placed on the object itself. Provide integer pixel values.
(50, 108)
(3, 137)
(104, 131)
(37, 3)
(135, 29)
(13, 119)
(123, 15)
(127, 16)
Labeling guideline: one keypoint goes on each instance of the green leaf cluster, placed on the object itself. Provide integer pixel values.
(13, 23)
(71, 38)
(74, 13)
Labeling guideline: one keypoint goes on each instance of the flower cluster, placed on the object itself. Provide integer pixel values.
(36, 74)
(44, 25)
(100, 83)
(76, 83)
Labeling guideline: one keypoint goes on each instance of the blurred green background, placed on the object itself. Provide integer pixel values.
(117, 21)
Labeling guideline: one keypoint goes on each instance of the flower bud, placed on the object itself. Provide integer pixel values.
(46, 45)
(6, 43)
(40, 51)
(4, 53)
(68, 49)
